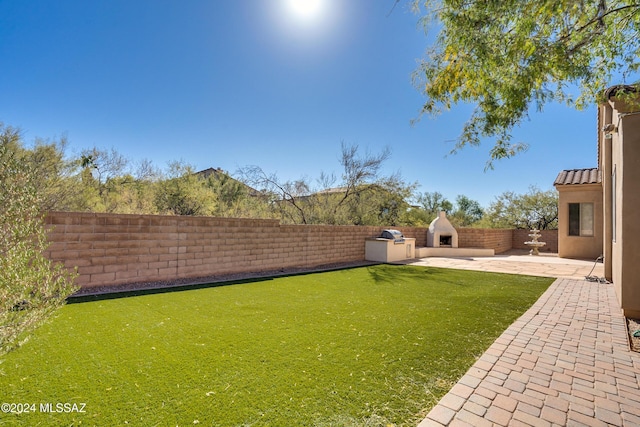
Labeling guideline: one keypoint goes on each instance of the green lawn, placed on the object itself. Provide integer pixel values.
(365, 346)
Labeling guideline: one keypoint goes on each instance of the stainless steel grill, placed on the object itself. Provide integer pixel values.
(395, 235)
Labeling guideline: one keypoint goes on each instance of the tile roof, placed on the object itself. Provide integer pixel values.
(579, 176)
(220, 174)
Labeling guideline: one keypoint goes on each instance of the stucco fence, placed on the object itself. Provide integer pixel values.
(115, 249)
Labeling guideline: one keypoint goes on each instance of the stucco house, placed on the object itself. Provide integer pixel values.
(580, 213)
(599, 208)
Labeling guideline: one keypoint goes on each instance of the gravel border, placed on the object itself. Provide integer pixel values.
(632, 326)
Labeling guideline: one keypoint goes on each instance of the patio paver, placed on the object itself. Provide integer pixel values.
(566, 361)
(519, 262)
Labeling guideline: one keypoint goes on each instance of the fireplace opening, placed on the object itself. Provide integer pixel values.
(445, 240)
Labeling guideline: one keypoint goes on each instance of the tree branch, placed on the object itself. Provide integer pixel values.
(598, 18)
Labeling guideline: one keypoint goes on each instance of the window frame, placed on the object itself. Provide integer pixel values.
(581, 219)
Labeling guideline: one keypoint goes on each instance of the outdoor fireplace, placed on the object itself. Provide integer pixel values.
(442, 241)
(445, 241)
(441, 233)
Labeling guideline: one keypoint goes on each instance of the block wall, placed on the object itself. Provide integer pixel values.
(113, 249)
(498, 239)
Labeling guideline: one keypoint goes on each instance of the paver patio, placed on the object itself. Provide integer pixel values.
(566, 361)
(519, 262)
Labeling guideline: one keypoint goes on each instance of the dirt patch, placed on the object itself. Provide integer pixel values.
(633, 325)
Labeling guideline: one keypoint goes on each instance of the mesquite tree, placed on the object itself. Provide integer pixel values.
(510, 56)
(361, 196)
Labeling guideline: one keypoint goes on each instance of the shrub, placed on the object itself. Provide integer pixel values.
(31, 286)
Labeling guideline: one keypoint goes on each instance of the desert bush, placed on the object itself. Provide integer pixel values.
(31, 286)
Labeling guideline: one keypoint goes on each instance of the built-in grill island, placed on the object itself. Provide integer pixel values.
(389, 246)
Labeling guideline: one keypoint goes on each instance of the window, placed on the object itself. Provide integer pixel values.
(580, 219)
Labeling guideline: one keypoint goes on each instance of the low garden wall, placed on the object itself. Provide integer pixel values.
(496, 239)
(115, 249)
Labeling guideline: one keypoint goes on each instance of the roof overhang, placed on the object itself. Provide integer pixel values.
(571, 177)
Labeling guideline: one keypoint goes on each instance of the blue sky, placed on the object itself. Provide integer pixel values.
(232, 83)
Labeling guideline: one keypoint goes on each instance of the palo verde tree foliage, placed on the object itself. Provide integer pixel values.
(99, 180)
(533, 209)
(185, 193)
(31, 287)
(467, 212)
(511, 55)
